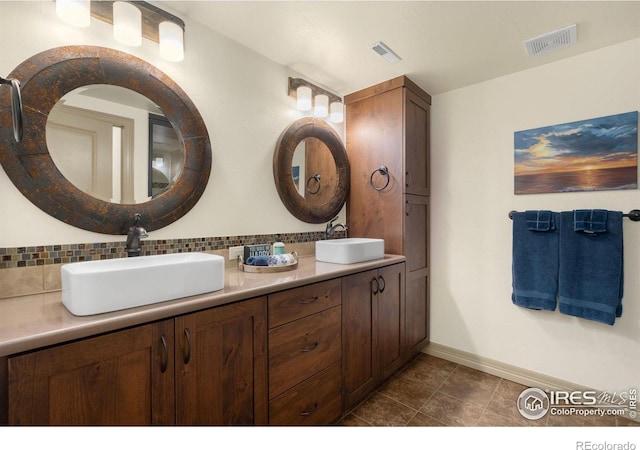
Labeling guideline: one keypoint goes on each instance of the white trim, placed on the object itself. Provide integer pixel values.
(509, 372)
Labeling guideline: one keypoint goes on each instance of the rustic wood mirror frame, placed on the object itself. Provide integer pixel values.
(45, 78)
(282, 162)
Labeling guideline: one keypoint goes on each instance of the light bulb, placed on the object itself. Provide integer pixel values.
(171, 41)
(127, 24)
(303, 94)
(336, 112)
(321, 108)
(74, 12)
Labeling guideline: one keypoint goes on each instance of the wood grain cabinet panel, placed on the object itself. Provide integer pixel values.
(372, 329)
(316, 401)
(122, 378)
(387, 125)
(221, 365)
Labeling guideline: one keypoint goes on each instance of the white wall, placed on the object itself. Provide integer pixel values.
(241, 96)
(472, 193)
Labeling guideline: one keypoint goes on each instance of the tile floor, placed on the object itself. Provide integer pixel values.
(431, 391)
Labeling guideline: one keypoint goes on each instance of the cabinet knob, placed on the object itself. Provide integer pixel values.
(375, 289)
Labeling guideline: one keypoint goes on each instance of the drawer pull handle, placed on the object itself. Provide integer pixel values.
(377, 288)
(310, 347)
(187, 349)
(309, 300)
(384, 284)
(165, 355)
(309, 411)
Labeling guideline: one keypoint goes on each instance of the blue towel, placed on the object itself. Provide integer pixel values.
(540, 220)
(591, 270)
(535, 264)
(590, 220)
(257, 261)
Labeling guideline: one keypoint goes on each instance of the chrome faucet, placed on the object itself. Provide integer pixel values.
(331, 228)
(136, 233)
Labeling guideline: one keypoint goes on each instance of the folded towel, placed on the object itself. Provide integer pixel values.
(540, 220)
(591, 270)
(590, 220)
(257, 261)
(282, 259)
(535, 264)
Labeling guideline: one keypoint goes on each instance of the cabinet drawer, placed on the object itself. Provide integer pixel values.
(316, 401)
(301, 302)
(302, 348)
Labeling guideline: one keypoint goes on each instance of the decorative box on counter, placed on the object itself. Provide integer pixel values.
(256, 250)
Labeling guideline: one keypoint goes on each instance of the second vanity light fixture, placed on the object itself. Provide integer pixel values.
(311, 97)
(131, 22)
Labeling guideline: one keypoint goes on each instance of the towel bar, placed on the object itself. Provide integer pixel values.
(634, 215)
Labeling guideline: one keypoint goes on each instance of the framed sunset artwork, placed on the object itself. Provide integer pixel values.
(588, 155)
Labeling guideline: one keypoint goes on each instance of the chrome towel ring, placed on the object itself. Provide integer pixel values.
(309, 181)
(385, 172)
(16, 106)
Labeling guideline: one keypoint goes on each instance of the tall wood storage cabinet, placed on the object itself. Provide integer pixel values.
(387, 135)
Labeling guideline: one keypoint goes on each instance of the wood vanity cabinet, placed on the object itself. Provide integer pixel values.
(207, 368)
(120, 378)
(373, 305)
(305, 354)
(221, 365)
(387, 131)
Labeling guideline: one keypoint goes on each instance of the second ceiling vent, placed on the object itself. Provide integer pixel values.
(552, 41)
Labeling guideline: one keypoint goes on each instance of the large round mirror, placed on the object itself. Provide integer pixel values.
(311, 170)
(165, 195)
(114, 144)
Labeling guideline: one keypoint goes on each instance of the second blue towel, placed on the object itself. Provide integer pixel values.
(591, 269)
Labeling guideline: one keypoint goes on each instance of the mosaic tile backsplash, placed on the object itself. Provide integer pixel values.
(61, 254)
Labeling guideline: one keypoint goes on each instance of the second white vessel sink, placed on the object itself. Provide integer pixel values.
(94, 287)
(349, 250)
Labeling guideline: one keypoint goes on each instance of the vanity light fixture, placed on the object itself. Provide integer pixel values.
(127, 24)
(321, 106)
(171, 38)
(74, 12)
(132, 21)
(303, 100)
(336, 112)
(304, 91)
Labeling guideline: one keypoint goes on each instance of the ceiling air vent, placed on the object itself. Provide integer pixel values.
(552, 41)
(383, 50)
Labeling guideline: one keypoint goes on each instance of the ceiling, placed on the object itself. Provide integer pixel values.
(444, 45)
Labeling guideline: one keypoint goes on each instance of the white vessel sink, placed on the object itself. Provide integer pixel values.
(95, 287)
(349, 250)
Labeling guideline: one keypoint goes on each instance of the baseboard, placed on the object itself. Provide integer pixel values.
(509, 372)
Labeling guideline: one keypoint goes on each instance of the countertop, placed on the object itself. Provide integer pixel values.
(34, 321)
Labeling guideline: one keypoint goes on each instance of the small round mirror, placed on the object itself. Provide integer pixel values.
(311, 170)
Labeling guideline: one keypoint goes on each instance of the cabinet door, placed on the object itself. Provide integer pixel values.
(416, 137)
(416, 321)
(121, 378)
(390, 303)
(416, 239)
(374, 135)
(359, 316)
(221, 365)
